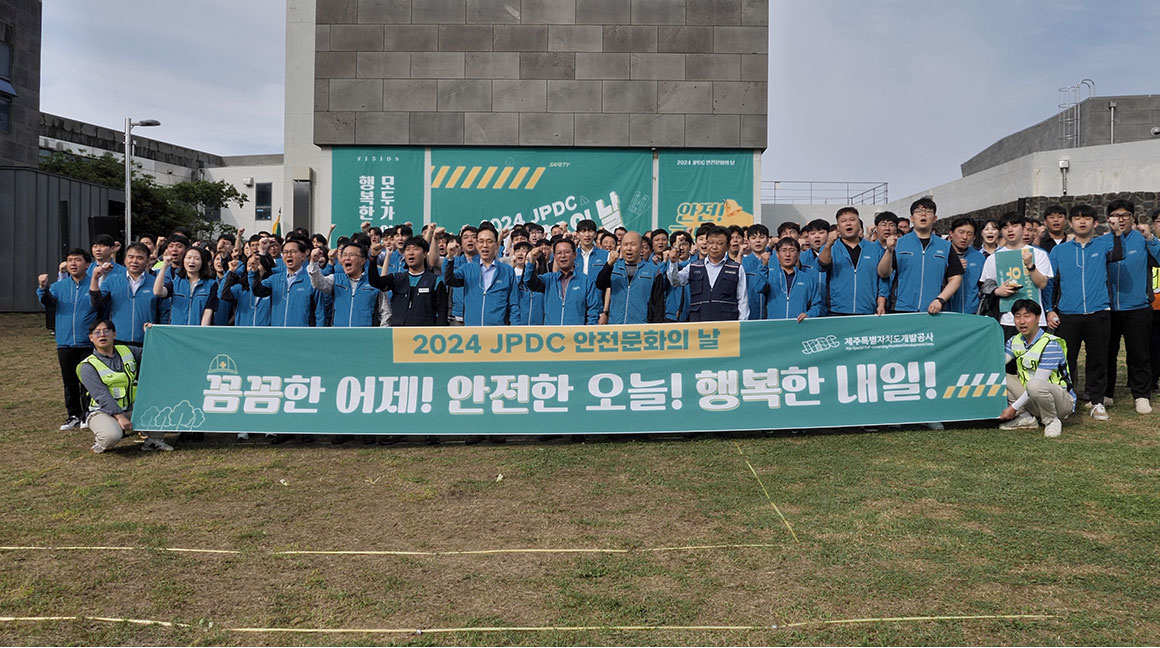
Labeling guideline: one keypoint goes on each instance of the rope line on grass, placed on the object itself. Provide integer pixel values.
(478, 552)
(766, 491)
(595, 628)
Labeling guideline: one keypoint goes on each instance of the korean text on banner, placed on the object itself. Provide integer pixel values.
(705, 187)
(379, 185)
(722, 376)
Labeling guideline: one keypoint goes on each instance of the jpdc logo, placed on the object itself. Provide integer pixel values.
(817, 345)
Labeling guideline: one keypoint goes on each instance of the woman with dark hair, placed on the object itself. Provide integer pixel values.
(110, 376)
(252, 310)
(193, 290)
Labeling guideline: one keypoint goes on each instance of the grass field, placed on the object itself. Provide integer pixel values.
(898, 523)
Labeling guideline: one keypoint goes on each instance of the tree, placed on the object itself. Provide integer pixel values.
(157, 209)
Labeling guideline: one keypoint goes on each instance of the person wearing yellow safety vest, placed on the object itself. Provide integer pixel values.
(1043, 385)
(110, 376)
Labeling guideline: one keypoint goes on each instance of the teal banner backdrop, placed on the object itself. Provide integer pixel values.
(705, 187)
(379, 185)
(511, 186)
(721, 376)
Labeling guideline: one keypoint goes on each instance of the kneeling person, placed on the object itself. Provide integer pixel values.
(1043, 385)
(110, 375)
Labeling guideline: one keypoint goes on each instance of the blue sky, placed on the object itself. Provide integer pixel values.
(901, 91)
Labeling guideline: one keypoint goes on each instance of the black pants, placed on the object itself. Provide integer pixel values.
(74, 391)
(1091, 331)
(1008, 333)
(1155, 347)
(1135, 327)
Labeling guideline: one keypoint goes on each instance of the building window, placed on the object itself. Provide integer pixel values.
(5, 61)
(7, 92)
(263, 200)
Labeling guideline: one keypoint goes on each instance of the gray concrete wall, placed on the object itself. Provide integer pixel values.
(20, 27)
(107, 139)
(1134, 118)
(655, 73)
(1093, 170)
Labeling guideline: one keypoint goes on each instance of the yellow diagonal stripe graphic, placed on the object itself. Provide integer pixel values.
(519, 177)
(455, 177)
(535, 178)
(439, 177)
(503, 176)
(470, 177)
(486, 178)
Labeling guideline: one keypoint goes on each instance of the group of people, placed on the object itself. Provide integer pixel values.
(1090, 291)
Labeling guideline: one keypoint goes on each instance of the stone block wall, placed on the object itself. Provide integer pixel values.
(640, 73)
(20, 27)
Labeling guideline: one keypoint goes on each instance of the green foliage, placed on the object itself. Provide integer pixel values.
(157, 209)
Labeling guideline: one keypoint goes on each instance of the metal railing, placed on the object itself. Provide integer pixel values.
(816, 192)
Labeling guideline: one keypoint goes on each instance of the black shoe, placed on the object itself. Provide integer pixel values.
(279, 439)
(473, 439)
(431, 440)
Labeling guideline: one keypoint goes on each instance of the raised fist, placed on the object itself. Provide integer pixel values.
(452, 249)
(317, 256)
(42, 280)
(1028, 257)
(890, 241)
(233, 266)
(613, 255)
(831, 237)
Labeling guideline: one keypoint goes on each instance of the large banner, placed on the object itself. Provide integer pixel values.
(705, 187)
(379, 185)
(510, 186)
(722, 376)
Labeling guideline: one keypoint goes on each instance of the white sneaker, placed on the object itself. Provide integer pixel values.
(98, 448)
(243, 436)
(1022, 422)
(1143, 406)
(1108, 401)
(1099, 413)
(934, 425)
(156, 444)
(71, 424)
(1053, 428)
(85, 423)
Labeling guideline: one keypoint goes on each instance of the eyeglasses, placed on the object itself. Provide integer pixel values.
(1119, 214)
(102, 332)
(923, 210)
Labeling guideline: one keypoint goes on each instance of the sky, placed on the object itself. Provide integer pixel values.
(897, 91)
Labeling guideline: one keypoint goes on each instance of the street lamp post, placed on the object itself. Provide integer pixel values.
(129, 124)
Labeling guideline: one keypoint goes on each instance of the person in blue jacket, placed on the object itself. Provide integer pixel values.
(1131, 298)
(570, 298)
(127, 296)
(677, 297)
(850, 264)
(293, 300)
(193, 293)
(531, 302)
(1078, 302)
(966, 298)
(356, 302)
(590, 259)
(249, 309)
(756, 267)
(491, 296)
(69, 295)
(636, 288)
(792, 292)
(928, 273)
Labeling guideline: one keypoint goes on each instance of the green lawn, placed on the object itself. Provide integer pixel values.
(898, 523)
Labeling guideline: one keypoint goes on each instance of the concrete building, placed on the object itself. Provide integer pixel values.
(624, 74)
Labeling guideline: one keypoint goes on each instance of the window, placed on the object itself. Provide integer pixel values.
(263, 199)
(7, 92)
(5, 60)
